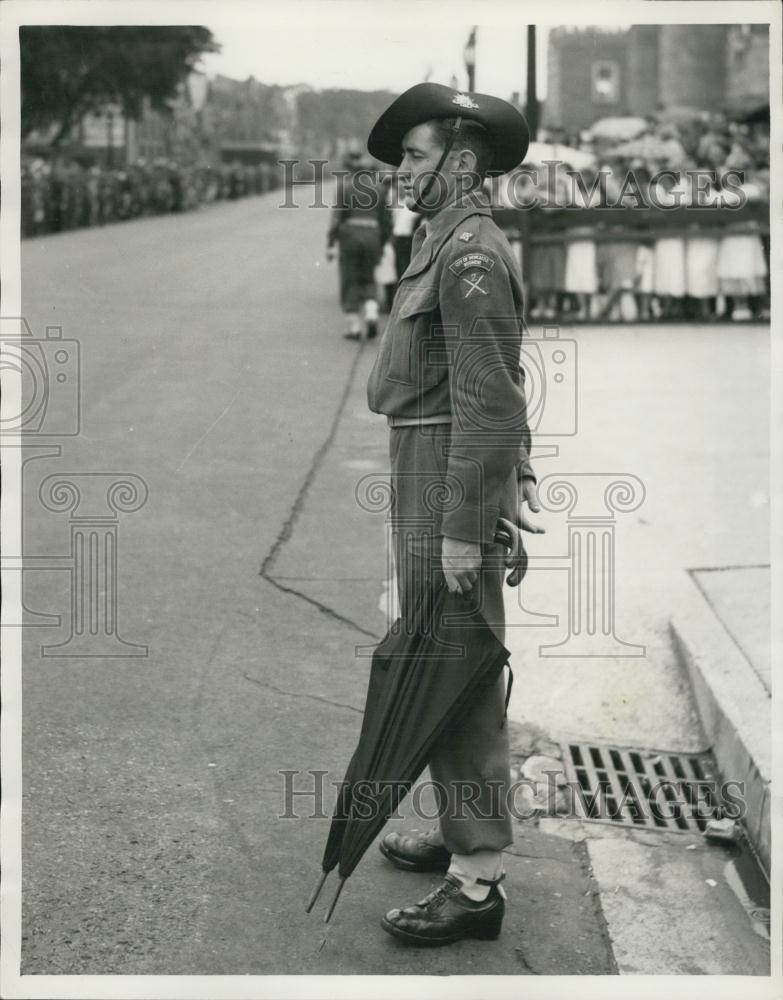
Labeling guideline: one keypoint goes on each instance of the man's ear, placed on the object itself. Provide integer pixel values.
(466, 161)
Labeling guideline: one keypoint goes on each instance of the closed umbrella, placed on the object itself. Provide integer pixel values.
(424, 673)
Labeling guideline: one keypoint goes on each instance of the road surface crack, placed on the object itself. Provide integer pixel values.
(300, 694)
(287, 529)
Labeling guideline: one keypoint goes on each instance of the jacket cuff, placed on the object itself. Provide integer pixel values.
(470, 523)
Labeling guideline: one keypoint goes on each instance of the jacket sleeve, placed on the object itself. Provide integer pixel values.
(483, 333)
(525, 469)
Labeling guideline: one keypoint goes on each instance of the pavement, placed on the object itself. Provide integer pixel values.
(722, 636)
(256, 575)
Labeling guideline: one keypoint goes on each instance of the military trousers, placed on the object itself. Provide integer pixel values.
(360, 251)
(469, 766)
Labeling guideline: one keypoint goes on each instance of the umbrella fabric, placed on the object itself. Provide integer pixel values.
(646, 147)
(423, 675)
(618, 128)
(579, 159)
(680, 114)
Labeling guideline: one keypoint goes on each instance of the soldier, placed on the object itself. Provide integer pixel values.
(459, 432)
(360, 226)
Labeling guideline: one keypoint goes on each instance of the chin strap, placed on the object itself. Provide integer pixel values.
(419, 202)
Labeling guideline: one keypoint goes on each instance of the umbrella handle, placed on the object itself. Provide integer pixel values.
(317, 891)
(502, 537)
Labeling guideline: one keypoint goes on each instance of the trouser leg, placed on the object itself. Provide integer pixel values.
(469, 764)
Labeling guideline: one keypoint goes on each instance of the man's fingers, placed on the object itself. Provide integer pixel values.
(525, 525)
(460, 583)
(530, 494)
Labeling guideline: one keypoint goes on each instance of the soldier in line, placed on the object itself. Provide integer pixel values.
(63, 194)
(360, 226)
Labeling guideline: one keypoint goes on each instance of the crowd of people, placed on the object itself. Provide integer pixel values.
(583, 261)
(654, 264)
(63, 194)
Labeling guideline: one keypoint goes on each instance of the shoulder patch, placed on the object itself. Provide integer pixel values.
(471, 260)
(465, 236)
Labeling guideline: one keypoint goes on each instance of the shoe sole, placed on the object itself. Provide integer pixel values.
(479, 934)
(411, 866)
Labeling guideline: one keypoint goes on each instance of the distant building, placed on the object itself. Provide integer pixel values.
(595, 72)
(586, 76)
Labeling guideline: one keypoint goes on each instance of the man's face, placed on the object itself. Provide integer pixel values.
(421, 155)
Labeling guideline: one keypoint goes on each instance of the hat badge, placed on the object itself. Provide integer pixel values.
(463, 101)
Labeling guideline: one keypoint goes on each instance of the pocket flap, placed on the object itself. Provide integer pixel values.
(417, 299)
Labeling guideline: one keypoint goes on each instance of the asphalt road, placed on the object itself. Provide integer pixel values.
(213, 368)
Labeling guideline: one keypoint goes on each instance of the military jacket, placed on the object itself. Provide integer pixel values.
(452, 348)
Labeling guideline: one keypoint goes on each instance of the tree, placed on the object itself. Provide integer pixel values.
(68, 71)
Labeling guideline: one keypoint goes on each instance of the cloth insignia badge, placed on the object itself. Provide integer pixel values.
(471, 261)
(466, 236)
(473, 283)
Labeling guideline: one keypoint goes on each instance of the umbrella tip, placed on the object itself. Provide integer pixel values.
(316, 892)
(339, 889)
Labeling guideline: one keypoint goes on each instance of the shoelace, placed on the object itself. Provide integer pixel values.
(438, 896)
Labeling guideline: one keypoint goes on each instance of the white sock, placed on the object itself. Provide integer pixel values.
(371, 310)
(354, 323)
(468, 868)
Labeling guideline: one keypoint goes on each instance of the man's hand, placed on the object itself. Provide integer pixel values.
(330, 254)
(461, 564)
(527, 495)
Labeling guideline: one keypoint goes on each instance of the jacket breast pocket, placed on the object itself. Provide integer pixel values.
(414, 344)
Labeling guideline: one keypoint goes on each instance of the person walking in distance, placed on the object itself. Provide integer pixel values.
(360, 226)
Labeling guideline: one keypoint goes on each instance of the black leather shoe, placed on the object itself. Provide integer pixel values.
(446, 916)
(352, 336)
(414, 854)
(372, 329)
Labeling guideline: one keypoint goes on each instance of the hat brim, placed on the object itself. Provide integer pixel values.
(508, 133)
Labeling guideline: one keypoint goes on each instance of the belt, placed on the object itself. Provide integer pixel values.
(362, 222)
(442, 418)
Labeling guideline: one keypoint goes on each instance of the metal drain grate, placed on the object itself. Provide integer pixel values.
(644, 789)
